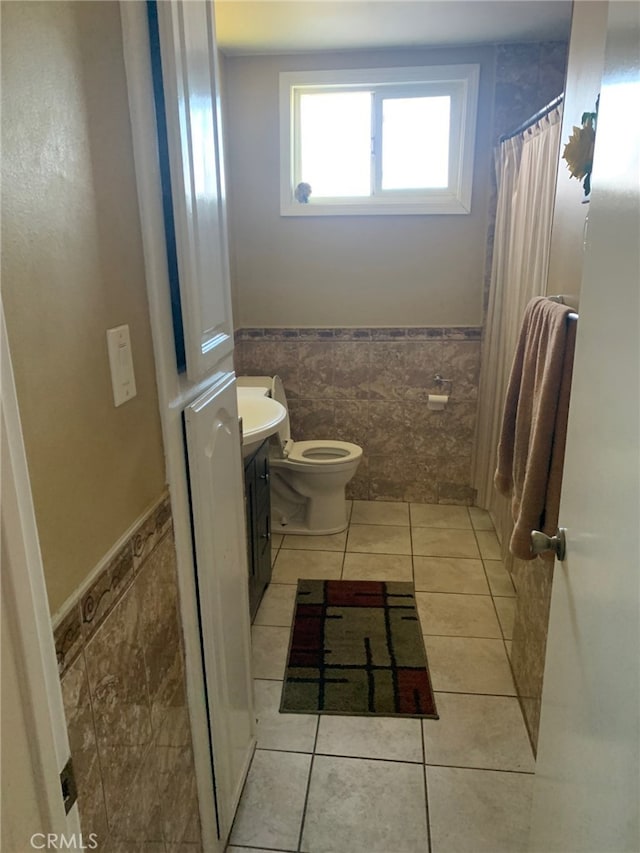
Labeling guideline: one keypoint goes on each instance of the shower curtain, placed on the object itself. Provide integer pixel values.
(526, 170)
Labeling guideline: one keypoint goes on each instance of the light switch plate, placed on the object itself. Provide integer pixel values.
(121, 363)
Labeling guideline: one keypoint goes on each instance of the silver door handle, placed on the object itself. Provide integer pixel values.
(540, 543)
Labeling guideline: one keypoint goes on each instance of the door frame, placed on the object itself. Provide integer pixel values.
(28, 620)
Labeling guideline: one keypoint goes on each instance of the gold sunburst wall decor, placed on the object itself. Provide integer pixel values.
(578, 152)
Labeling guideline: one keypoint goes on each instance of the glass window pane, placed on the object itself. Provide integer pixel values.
(415, 143)
(335, 143)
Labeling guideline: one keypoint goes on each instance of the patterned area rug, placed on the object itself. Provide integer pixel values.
(356, 648)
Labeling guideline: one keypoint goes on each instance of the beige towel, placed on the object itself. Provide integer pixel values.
(534, 424)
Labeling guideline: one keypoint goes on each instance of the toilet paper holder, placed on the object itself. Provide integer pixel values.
(440, 382)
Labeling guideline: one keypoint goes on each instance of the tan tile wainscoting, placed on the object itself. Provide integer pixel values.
(121, 665)
(370, 386)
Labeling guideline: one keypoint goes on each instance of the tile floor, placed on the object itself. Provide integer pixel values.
(329, 784)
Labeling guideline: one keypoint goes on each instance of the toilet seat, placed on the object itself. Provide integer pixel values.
(323, 453)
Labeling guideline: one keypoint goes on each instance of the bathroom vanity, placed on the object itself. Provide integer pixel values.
(258, 510)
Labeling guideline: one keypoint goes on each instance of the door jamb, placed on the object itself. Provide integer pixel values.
(27, 611)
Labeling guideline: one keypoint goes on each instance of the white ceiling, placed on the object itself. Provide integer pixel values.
(282, 26)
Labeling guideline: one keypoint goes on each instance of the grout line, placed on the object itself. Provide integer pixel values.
(456, 592)
(246, 781)
(484, 569)
(372, 757)
(413, 566)
(471, 693)
(479, 693)
(426, 805)
(424, 782)
(499, 639)
(261, 849)
(306, 795)
(483, 769)
(283, 749)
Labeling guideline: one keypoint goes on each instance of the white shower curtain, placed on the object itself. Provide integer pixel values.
(526, 168)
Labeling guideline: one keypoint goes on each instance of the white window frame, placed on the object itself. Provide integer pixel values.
(460, 82)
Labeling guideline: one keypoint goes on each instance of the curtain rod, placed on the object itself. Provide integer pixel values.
(534, 118)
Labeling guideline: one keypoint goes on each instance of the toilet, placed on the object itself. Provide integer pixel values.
(308, 478)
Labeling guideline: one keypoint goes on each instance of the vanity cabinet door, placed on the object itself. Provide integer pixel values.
(192, 108)
(215, 472)
(258, 506)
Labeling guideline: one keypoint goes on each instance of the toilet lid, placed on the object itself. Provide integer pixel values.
(278, 394)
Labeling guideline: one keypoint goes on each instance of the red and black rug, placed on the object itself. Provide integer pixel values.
(356, 648)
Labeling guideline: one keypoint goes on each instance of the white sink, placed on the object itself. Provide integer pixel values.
(261, 417)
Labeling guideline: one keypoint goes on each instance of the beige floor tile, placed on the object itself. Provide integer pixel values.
(370, 737)
(358, 805)
(506, 608)
(467, 665)
(377, 567)
(334, 542)
(290, 566)
(432, 542)
(270, 810)
(288, 732)
(489, 545)
(480, 518)
(449, 574)
(277, 605)
(437, 515)
(269, 648)
(454, 615)
(379, 539)
(478, 811)
(485, 732)
(500, 581)
(380, 512)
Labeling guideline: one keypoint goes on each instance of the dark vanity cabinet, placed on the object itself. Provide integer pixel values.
(256, 479)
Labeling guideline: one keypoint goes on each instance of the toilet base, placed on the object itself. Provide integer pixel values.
(291, 530)
(318, 516)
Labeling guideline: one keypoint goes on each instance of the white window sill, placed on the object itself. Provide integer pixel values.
(443, 206)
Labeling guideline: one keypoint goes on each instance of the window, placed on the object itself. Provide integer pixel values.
(377, 141)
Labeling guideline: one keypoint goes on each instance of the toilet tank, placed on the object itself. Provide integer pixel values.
(254, 382)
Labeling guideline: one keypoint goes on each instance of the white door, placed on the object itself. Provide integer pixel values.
(216, 472)
(586, 795)
(35, 746)
(194, 139)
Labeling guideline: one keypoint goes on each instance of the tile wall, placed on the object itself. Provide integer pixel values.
(370, 387)
(121, 665)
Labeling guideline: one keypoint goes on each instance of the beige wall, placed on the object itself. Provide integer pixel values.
(346, 271)
(584, 75)
(72, 267)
